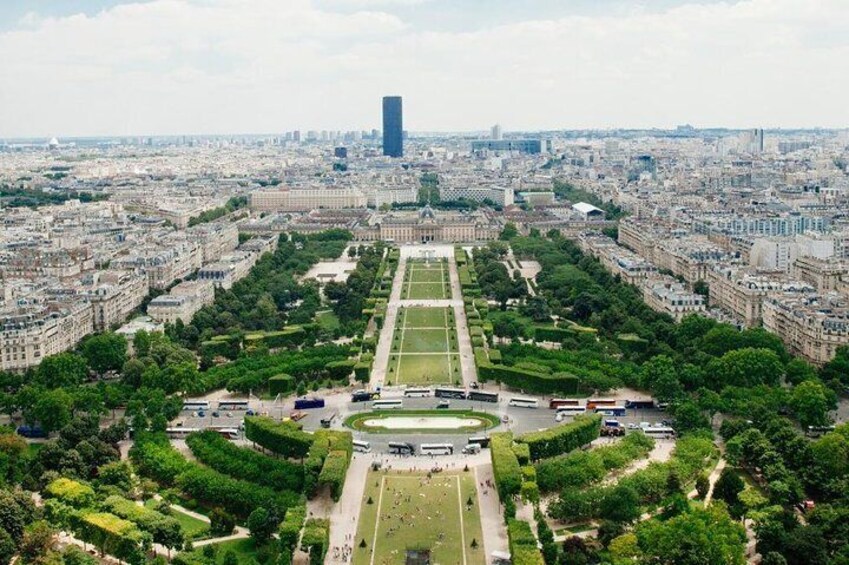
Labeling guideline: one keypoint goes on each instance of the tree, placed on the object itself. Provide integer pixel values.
(221, 522)
(688, 417)
(37, 541)
(621, 504)
(702, 485)
(658, 374)
(509, 232)
(105, 352)
(62, 370)
(7, 547)
(697, 537)
(811, 402)
(261, 525)
(53, 410)
(747, 367)
(537, 309)
(727, 488)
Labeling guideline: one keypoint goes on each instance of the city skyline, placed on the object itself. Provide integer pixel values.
(186, 67)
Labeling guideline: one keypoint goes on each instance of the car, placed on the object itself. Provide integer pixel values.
(505, 418)
(474, 385)
(250, 412)
(201, 414)
(666, 422)
(560, 417)
(215, 414)
(632, 426)
(443, 404)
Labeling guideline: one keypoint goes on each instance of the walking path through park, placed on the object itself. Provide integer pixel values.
(344, 515)
(384, 343)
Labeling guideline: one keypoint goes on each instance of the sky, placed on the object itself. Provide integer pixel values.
(73, 68)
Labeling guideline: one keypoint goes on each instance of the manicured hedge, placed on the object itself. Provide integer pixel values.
(333, 473)
(281, 384)
(325, 442)
(283, 438)
(290, 336)
(480, 356)
(529, 381)
(243, 463)
(154, 457)
(70, 492)
(563, 439)
(235, 496)
(165, 530)
(530, 492)
(340, 370)
(505, 465)
(113, 535)
(523, 453)
(550, 333)
(523, 544)
(290, 527)
(316, 539)
(495, 356)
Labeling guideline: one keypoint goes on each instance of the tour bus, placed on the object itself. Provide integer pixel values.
(307, 403)
(388, 404)
(232, 404)
(362, 446)
(482, 396)
(572, 410)
(594, 403)
(556, 403)
(610, 410)
(402, 448)
(446, 392)
(482, 441)
(417, 392)
(364, 396)
(436, 449)
(524, 402)
(816, 431)
(228, 433)
(179, 433)
(31, 432)
(195, 405)
(659, 432)
(642, 403)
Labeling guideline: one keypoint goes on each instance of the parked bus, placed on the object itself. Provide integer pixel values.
(307, 403)
(572, 410)
(364, 396)
(482, 396)
(659, 432)
(816, 431)
(388, 404)
(228, 433)
(556, 403)
(610, 410)
(362, 446)
(524, 402)
(195, 405)
(594, 403)
(232, 404)
(402, 448)
(31, 432)
(436, 449)
(179, 433)
(482, 441)
(446, 392)
(635, 404)
(417, 392)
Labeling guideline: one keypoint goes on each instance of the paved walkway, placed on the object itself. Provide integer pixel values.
(345, 514)
(384, 343)
(464, 341)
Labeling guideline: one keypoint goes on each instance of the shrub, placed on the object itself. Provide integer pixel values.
(562, 439)
(283, 438)
(70, 492)
(316, 539)
(505, 465)
(290, 527)
(281, 384)
(529, 381)
(164, 529)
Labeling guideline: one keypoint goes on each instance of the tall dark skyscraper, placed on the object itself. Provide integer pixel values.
(393, 127)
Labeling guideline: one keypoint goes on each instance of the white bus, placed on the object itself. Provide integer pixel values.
(388, 404)
(436, 449)
(417, 392)
(362, 446)
(180, 432)
(232, 404)
(659, 432)
(195, 405)
(572, 410)
(524, 402)
(228, 433)
(402, 448)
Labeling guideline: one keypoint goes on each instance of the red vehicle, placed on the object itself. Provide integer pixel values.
(556, 403)
(594, 403)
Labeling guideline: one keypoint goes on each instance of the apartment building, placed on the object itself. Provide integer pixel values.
(823, 274)
(500, 195)
(32, 332)
(230, 269)
(812, 326)
(214, 238)
(114, 295)
(741, 291)
(184, 300)
(666, 295)
(307, 198)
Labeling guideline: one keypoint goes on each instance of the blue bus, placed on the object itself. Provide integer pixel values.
(611, 410)
(31, 432)
(307, 403)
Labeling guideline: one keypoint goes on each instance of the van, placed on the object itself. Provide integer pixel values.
(472, 449)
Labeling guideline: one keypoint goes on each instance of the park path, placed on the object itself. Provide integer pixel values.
(384, 342)
(492, 521)
(464, 340)
(344, 515)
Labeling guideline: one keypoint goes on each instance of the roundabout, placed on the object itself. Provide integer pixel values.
(422, 421)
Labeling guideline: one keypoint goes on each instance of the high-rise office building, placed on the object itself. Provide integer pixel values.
(393, 129)
(495, 133)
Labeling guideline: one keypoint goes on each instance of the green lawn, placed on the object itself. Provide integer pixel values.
(425, 369)
(410, 511)
(420, 317)
(422, 274)
(245, 550)
(192, 527)
(327, 320)
(426, 282)
(355, 421)
(426, 291)
(428, 341)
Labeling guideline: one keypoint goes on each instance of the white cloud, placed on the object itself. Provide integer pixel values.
(174, 66)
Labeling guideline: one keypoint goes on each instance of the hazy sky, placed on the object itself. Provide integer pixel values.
(111, 67)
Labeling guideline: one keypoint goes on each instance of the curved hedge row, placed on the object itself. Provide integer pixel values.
(529, 381)
(283, 438)
(523, 544)
(562, 439)
(165, 530)
(218, 453)
(505, 465)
